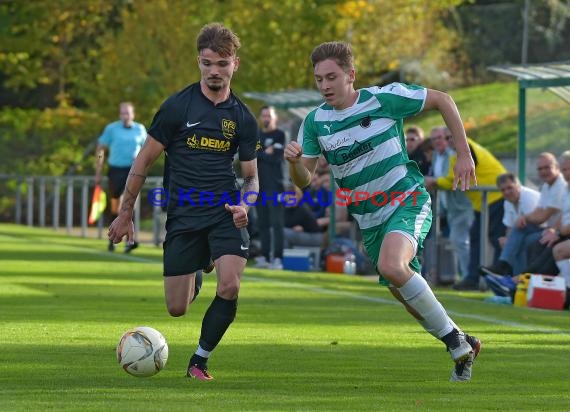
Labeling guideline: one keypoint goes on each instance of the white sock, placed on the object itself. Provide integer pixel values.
(564, 266)
(417, 293)
(203, 353)
(425, 324)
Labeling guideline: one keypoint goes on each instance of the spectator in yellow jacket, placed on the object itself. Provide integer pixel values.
(487, 168)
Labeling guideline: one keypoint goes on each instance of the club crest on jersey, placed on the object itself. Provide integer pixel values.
(366, 122)
(228, 128)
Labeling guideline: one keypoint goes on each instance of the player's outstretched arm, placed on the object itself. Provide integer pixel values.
(123, 224)
(464, 167)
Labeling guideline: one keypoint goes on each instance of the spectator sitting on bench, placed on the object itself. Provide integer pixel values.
(519, 200)
(551, 254)
(527, 228)
(301, 227)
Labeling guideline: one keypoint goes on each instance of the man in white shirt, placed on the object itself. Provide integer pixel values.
(526, 229)
(519, 200)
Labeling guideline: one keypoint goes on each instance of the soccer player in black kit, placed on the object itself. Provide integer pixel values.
(201, 128)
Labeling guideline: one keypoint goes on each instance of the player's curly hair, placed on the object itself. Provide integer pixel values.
(218, 38)
(339, 51)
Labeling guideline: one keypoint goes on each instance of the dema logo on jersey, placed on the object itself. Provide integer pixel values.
(208, 143)
(218, 144)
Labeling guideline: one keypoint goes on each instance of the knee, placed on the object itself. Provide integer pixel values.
(176, 309)
(390, 268)
(228, 289)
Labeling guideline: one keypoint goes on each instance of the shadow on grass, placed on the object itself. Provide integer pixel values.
(88, 302)
(57, 256)
(298, 376)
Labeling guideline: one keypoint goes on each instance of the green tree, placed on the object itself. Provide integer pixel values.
(401, 39)
(92, 54)
(155, 52)
(53, 43)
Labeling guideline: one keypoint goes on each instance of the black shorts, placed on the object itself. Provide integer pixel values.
(117, 179)
(187, 252)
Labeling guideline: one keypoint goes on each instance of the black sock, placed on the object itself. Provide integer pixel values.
(217, 320)
(198, 360)
(451, 340)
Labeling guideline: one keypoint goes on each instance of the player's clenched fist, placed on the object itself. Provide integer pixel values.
(293, 152)
(239, 214)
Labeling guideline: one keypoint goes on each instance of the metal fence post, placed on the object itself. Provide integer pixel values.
(42, 206)
(435, 230)
(30, 203)
(18, 211)
(484, 228)
(84, 205)
(69, 206)
(56, 202)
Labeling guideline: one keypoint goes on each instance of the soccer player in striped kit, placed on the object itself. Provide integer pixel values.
(360, 133)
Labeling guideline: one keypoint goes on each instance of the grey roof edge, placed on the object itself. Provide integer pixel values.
(550, 70)
(554, 76)
(288, 98)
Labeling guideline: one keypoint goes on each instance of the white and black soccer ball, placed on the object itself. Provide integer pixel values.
(142, 351)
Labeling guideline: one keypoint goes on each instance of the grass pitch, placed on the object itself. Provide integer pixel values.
(301, 341)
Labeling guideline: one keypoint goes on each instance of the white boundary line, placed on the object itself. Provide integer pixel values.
(531, 328)
(293, 285)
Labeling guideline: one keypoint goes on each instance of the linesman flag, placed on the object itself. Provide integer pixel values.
(98, 204)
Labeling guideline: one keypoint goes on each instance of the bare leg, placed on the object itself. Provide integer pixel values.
(178, 291)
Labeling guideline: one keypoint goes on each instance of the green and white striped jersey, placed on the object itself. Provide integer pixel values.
(365, 148)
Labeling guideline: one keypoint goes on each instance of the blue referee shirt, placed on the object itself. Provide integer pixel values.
(123, 142)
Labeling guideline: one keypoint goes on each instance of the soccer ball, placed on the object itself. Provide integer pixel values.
(142, 351)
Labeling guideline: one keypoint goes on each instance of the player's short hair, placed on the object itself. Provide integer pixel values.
(339, 51)
(507, 177)
(219, 39)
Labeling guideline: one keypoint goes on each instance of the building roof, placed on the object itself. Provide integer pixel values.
(554, 76)
(299, 102)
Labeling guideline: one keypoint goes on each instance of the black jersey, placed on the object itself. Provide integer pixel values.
(201, 140)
